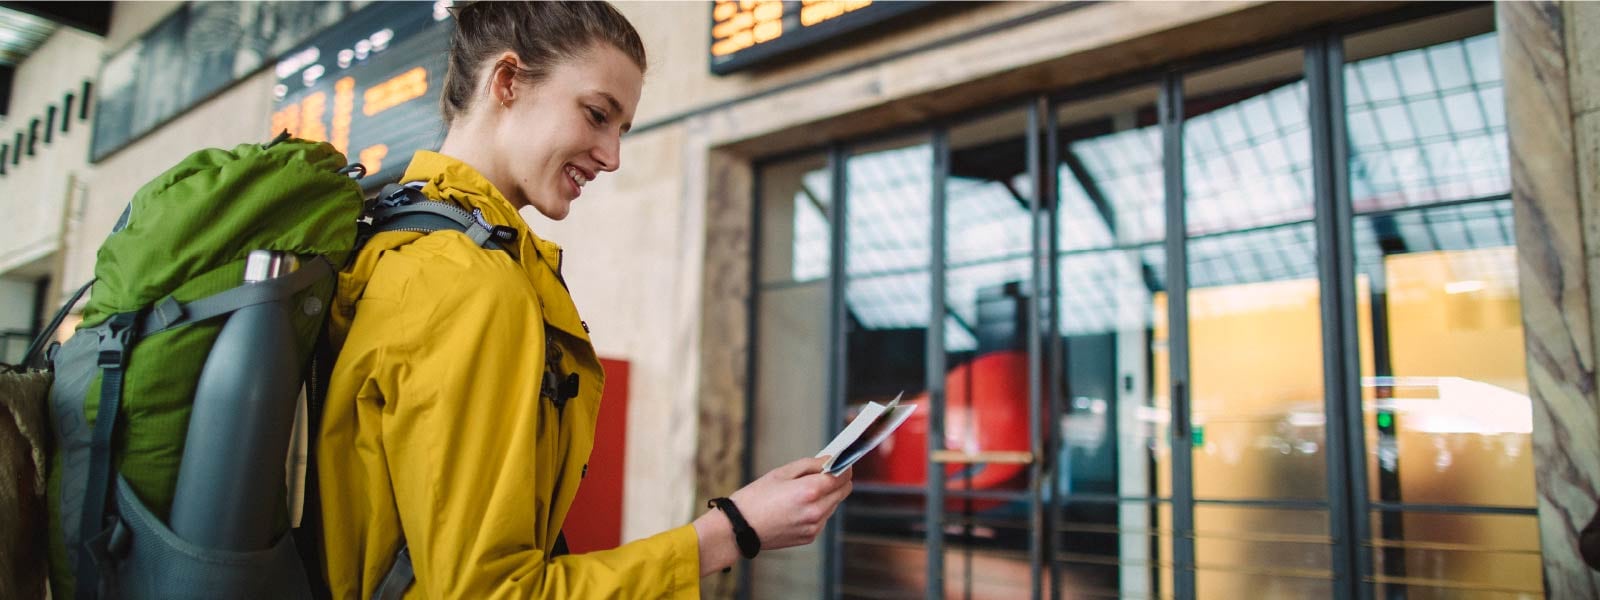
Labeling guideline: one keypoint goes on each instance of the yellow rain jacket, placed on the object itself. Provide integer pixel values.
(435, 433)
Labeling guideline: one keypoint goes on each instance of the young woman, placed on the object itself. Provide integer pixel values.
(461, 410)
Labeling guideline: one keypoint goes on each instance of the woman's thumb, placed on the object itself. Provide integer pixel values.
(804, 467)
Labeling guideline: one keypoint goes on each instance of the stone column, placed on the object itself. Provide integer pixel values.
(725, 340)
(1552, 125)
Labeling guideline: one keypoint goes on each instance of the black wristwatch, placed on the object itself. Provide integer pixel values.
(749, 542)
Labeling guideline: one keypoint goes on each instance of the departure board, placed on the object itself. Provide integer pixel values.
(746, 33)
(370, 86)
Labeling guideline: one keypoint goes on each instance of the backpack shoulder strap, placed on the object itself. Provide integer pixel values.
(406, 208)
(31, 355)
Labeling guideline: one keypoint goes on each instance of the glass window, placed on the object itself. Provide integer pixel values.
(1250, 552)
(1447, 416)
(888, 208)
(1447, 419)
(1112, 419)
(1458, 555)
(988, 232)
(1255, 338)
(796, 207)
(791, 335)
(1255, 331)
(1426, 113)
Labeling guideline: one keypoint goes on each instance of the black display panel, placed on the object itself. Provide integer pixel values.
(370, 86)
(746, 33)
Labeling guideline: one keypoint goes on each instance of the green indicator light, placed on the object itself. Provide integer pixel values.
(1198, 436)
(1385, 420)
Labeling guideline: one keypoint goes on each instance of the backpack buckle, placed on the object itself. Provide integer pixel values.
(114, 343)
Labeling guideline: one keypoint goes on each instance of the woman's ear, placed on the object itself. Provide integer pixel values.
(503, 79)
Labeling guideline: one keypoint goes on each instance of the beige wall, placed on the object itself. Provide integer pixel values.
(33, 193)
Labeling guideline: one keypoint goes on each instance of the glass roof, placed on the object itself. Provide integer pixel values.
(888, 215)
(992, 223)
(887, 231)
(1248, 164)
(1105, 291)
(811, 248)
(1125, 169)
(1425, 126)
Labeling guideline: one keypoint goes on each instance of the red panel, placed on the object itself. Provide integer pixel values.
(986, 408)
(595, 521)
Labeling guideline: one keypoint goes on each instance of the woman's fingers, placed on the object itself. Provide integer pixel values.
(801, 468)
(836, 496)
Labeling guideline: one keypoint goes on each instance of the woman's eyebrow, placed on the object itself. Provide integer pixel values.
(612, 100)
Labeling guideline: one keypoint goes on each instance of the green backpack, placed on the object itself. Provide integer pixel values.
(168, 279)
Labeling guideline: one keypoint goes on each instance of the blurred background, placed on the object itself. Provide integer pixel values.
(1216, 300)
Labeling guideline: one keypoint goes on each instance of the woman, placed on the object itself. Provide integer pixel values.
(461, 410)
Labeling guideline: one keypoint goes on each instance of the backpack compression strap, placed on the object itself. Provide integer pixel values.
(101, 536)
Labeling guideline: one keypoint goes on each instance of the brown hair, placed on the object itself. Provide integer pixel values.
(541, 33)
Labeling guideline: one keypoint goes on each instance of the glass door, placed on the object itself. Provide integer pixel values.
(1246, 328)
(1255, 349)
(1111, 497)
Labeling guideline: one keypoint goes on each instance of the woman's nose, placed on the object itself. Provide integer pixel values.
(609, 154)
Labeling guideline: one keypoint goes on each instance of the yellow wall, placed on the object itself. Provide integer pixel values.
(1475, 334)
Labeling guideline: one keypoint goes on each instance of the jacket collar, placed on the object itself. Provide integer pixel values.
(449, 180)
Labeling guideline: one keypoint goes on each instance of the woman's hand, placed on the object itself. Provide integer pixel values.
(789, 505)
(786, 507)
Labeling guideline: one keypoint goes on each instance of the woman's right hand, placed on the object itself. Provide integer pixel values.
(790, 504)
(786, 507)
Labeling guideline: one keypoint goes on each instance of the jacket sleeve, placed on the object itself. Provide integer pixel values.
(460, 428)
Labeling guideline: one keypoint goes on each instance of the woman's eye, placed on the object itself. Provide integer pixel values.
(598, 117)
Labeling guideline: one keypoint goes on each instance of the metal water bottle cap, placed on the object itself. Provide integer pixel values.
(262, 265)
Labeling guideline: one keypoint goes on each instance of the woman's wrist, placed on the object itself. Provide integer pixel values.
(718, 548)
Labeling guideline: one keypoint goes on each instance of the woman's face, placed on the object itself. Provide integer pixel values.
(559, 134)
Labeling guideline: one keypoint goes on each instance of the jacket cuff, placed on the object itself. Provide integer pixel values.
(684, 575)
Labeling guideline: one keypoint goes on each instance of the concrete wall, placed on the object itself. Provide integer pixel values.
(33, 193)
